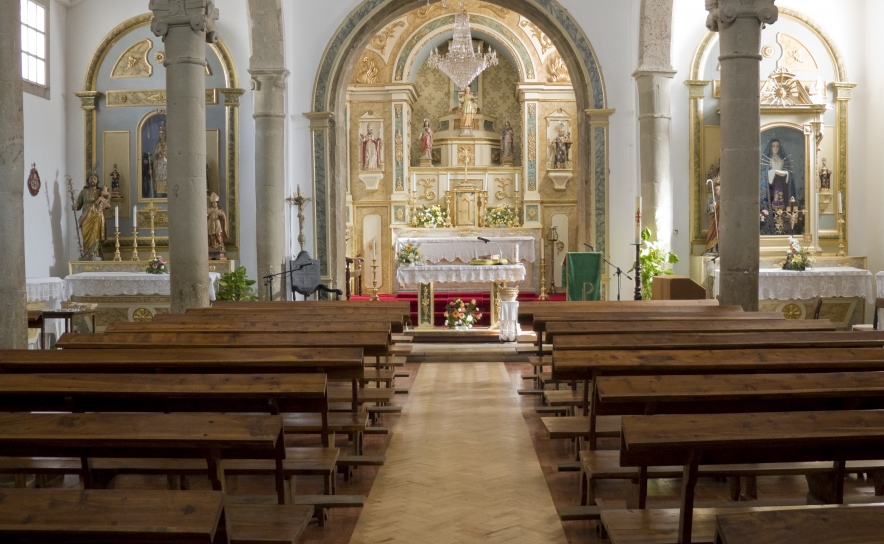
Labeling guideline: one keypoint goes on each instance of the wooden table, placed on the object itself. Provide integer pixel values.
(36, 321)
(69, 315)
(212, 437)
(709, 439)
(52, 516)
(819, 525)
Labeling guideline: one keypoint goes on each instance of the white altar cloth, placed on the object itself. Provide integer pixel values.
(411, 276)
(97, 284)
(879, 279)
(450, 249)
(48, 290)
(778, 284)
(509, 321)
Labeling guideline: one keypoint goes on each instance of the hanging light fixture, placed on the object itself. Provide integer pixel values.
(462, 64)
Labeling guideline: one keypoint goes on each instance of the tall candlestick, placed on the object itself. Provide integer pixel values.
(116, 217)
(638, 220)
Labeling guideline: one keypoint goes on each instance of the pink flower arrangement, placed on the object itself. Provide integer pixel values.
(459, 314)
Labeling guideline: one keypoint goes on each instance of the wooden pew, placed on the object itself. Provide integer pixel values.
(573, 328)
(396, 318)
(245, 327)
(819, 524)
(374, 344)
(709, 439)
(687, 341)
(58, 516)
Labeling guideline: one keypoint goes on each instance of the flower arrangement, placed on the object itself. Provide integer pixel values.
(410, 255)
(502, 216)
(461, 315)
(655, 261)
(797, 257)
(429, 217)
(157, 266)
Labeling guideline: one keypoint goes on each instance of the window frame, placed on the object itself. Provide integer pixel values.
(29, 86)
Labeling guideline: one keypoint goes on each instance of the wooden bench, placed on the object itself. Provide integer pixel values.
(820, 525)
(685, 340)
(396, 319)
(554, 329)
(44, 516)
(711, 439)
(244, 327)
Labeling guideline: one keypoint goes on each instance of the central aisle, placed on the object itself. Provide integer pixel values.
(460, 467)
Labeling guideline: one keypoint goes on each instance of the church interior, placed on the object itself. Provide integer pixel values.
(469, 271)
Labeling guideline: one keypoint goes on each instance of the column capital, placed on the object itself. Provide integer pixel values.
(268, 79)
(724, 12)
(199, 15)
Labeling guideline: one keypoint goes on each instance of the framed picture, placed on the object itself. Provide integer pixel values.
(782, 185)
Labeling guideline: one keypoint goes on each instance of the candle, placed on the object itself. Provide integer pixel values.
(414, 182)
(116, 217)
(638, 220)
(135, 217)
(374, 250)
(840, 204)
(541, 250)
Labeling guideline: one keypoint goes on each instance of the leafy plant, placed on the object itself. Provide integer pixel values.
(236, 286)
(655, 261)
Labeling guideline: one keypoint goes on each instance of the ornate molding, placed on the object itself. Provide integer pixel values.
(117, 99)
(199, 15)
(725, 12)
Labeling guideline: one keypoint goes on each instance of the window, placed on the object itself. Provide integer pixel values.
(34, 47)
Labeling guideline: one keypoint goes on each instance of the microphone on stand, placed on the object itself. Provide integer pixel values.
(591, 248)
(500, 251)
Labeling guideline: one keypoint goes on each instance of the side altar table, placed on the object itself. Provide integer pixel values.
(425, 277)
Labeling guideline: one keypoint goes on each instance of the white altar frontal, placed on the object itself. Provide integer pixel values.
(845, 291)
(424, 278)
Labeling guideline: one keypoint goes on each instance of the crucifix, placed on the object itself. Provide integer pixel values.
(300, 201)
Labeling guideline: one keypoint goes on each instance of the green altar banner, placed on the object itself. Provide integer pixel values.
(583, 275)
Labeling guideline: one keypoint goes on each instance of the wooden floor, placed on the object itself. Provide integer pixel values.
(461, 466)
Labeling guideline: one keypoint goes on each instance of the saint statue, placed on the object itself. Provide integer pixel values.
(115, 183)
(562, 149)
(427, 144)
(467, 112)
(217, 223)
(506, 144)
(777, 181)
(158, 165)
(370, 150)
(825, 177)
(92, 222)
(89, 194)
(713, 208)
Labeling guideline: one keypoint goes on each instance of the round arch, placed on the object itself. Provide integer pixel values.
(328, 137)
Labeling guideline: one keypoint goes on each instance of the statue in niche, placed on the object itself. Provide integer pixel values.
(562, 148)
(159, 164)
(506, 144)
(825, 177)
(467, 113)
(217, 224)
(427, 144)
(92, 222)
(115, 184)
(370, 150)
(713, 208)
(776, 170)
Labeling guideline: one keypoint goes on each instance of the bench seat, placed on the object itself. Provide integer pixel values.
(391, 361)
(267, 524)
(363, 394)
(564, 397)
(578, 426)
(339, 422)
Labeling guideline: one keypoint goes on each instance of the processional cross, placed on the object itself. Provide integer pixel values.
(300, 201)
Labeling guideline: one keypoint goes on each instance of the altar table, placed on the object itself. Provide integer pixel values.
(424, 278)
(451, 249)
(49, 291)
(96, 284)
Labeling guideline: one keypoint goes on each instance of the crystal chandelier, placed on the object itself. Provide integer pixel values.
(462, 64)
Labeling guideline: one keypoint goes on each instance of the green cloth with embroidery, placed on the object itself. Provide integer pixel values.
(582, 275)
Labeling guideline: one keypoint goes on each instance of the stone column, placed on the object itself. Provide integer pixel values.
(269, 89)
(654, 79)
(739, 24)
(186, 26)
(13, 294)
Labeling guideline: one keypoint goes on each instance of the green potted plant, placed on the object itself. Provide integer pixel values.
(235, 286)
(655, 261)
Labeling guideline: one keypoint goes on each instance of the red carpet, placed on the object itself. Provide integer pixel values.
(483, 301)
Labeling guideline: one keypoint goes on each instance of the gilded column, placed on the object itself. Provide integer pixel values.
(269, 90)
(739, 24)
(186, 26)
(13, 294)
(654, 80)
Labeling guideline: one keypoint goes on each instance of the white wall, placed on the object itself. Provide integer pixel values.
(47, 215)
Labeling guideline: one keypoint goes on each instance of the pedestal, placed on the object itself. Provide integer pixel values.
(425, 306)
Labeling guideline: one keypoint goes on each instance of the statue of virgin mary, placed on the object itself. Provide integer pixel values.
(777, 184)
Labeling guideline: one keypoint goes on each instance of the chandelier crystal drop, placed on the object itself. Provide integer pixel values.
(462, 64)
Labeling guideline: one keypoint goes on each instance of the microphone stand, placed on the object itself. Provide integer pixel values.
(268, 280)
(619, 273)
(499, 249)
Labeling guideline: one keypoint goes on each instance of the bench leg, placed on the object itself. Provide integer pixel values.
(686, 515)
(827, 488)
(734, 487)
(878, 479)
(637, 491)
(21, 481)
(751, 487)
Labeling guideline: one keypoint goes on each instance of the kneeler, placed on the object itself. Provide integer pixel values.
(582, 275)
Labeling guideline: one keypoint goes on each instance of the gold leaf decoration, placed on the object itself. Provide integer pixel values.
(545, 43)
(133, 62)
(368, 75)
(557, 70)
(381, 40)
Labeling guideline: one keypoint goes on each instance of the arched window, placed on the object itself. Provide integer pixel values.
(35, 46)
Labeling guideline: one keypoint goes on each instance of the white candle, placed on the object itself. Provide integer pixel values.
(374, 250)
(135, 217)
(840, 204)
(116, 217)
(414, 182)
(638, 220)
(485, 182)
(541, 249)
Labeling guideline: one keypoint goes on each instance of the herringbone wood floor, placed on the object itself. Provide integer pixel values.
(461, 466)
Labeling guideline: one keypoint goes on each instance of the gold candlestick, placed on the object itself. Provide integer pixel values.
(117, 256)
(841, 241)
(374, 279)
(153, 237)
(135, 256)
(543, 295)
